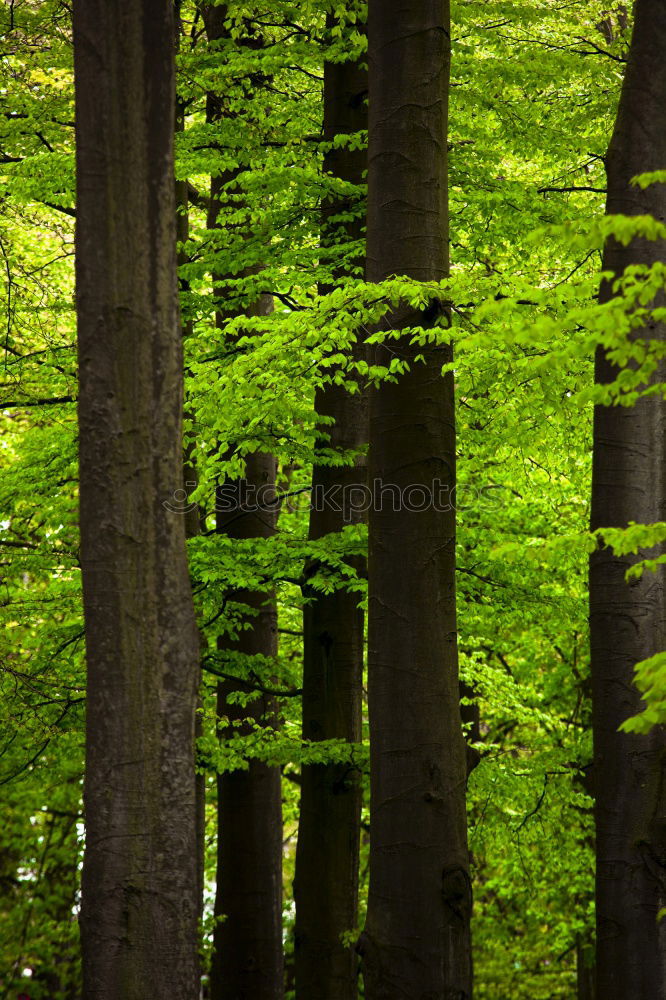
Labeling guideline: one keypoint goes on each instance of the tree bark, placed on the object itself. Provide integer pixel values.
(139, 897)
(327, 855)
(627, 620)
(416, 942)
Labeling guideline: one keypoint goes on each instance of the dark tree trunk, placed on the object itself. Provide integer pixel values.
(584, 971)
(627, 620)
(139, 900)
(416, 943)
(248, 959)
(326, 879)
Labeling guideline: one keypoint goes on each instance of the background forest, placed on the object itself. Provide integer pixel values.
(276, 311)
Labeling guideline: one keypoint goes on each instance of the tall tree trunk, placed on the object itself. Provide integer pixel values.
(416, 942)
(327, 856)
(139, 900)
(584, 972)
(627, 620)
(248, 959)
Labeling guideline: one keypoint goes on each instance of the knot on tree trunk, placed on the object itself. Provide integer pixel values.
(457, 891)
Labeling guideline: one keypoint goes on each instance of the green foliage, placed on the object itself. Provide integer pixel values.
(651, 682)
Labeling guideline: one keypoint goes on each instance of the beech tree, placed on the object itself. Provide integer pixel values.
(247, 944)
(139, 886)
(627, 617)
(416, 939)
(329, 828)
(247, 959)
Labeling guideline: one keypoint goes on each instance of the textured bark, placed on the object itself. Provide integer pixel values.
(139, 898)
(327, 856)
(627, 620)
(416, 941)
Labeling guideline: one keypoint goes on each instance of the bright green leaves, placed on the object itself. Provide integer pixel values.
(651, 682)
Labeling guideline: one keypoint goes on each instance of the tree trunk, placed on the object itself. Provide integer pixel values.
(416, 942)
(627, 620)
(248, 959)
(139, 899)
(584, 971)
(327, 856)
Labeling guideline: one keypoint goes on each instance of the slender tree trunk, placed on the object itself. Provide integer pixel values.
(326, 879)
(416, 942)
(627, 620)
(139, 901)
(248, 959)
(584, 972)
